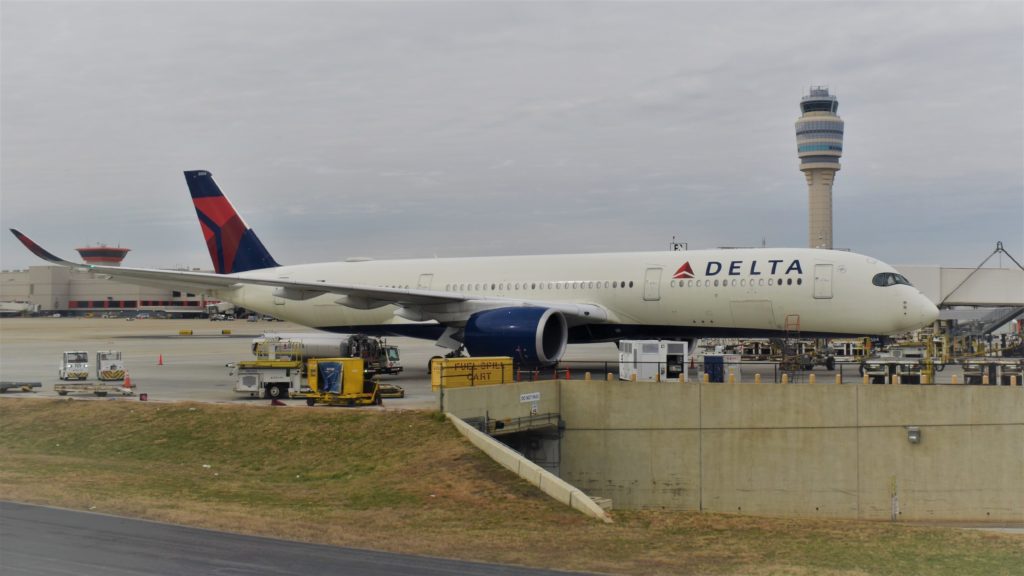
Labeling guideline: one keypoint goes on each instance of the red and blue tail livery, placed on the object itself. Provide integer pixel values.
(233, 246)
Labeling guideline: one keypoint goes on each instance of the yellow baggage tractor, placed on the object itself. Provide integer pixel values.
(340, 382)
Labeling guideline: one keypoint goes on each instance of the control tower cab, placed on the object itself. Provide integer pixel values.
(819, 142)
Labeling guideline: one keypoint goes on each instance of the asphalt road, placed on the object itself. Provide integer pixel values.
(45, 541)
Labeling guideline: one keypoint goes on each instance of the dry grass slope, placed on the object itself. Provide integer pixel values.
(405, 481)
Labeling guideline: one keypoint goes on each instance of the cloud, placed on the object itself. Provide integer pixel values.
(466, 129)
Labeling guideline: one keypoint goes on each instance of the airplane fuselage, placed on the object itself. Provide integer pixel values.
(530, 307)
(658, 294)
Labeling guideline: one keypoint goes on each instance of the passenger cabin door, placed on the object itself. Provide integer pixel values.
(822, 280)
(652, 284)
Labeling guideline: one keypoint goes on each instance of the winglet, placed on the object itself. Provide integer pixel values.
(39, 251)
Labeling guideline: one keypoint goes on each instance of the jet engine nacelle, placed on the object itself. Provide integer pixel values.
(531, 336)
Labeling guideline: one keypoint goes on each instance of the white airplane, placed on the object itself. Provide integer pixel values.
(531, 307)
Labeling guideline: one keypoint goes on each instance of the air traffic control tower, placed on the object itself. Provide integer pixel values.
(819, 143)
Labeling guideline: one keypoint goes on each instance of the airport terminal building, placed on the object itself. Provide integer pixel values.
(55, 289)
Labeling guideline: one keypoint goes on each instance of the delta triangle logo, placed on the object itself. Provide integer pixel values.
(684, 271)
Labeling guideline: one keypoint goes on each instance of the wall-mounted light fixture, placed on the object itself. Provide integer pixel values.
(914, 434)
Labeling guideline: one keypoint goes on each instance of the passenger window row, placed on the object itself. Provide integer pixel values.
(737, 283)
(519, 286)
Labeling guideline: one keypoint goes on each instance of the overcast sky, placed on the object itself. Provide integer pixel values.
(464, 129)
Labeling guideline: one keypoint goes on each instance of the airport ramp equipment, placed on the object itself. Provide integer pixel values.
(19, 386)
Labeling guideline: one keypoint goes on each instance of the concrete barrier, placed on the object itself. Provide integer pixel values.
(944, 453)
(547, 482)
(800, 450)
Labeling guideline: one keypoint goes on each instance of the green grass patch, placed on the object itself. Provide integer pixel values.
(406, 481)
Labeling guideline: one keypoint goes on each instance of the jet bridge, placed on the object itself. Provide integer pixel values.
(983, 287)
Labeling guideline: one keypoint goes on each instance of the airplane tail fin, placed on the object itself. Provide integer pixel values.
(233, 246)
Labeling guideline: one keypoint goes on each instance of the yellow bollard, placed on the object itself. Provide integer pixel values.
(757, 378)
(785, 378)
(586, 376)
(610, 377)
(1013, 379)
(896, 380)
(955, 380)
(984, 379)
(732, 377)
(811, 379)
(839, 378)
(707, 378)
(865, 379)
(682, 378)
(632, 377)
(924, 378)
(657, 377)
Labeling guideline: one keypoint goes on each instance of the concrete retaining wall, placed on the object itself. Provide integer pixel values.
(798, 449)
(547, 482)
(502, 401)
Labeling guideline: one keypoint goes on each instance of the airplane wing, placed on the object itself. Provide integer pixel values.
(417, 304)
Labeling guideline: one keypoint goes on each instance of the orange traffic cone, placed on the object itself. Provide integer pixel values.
(160, 360)
(127, 384)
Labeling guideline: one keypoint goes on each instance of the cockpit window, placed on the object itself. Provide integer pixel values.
(889, 279)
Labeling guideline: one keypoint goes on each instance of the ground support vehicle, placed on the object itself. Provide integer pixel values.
(910, 361)
(390, 362)
(74, 365)
(98, 388)
(476, 371)
(391, 390)
(884, 370)
(998, 370)
(849, 349)
(340, 382)
(270, 378)
(652, 360)
(109, 365)
(757, 350)
(879, 369)
(803, 355)
(378, 356)
(19, 386)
